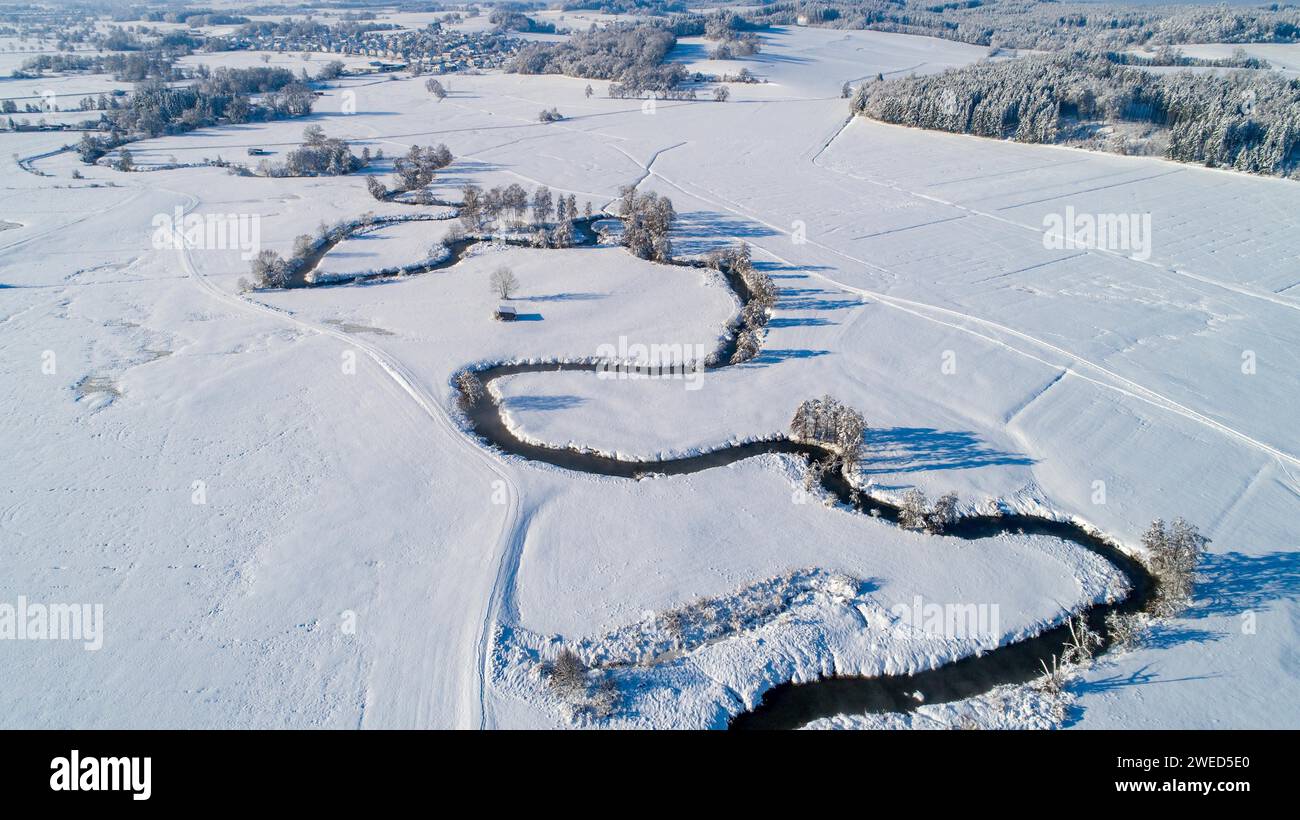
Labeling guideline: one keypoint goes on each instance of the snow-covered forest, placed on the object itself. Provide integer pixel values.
(631, 364)
(1027, 24)
(1243, 120)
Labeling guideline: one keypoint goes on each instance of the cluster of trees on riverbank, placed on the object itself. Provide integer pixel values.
(647, 220)
(512, 204)
(916, 512)
(832, 424)
(738, 261)
(1248, 121)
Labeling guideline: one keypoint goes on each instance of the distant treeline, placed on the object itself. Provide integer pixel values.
(303, 29)
(508, 20)
(1170, 56)
(1030, 24)
(132, 67)
(655, 8)
(631, 54)
(1249, 121)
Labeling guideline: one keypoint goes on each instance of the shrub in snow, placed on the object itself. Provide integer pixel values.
(1083, 644)
(944, 512)
(568, 672)
(1173, 552)
(671, 622)
(813, 476)
(1126, 631)
(916, 513)
(586, 692)
(470, 388)
(1054, 677)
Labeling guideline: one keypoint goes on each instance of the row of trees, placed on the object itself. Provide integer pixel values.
(762, 294)
(623, 91)
(1243, 120)
(512, 204)
(270, 270)
(132, 67)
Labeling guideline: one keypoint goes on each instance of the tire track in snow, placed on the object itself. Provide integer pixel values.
(994, 331)
(510, 535)
(1240, 290)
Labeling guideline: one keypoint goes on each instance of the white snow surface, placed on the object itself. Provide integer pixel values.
(359, 561)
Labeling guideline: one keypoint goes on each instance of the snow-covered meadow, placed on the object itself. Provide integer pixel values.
(274, 497)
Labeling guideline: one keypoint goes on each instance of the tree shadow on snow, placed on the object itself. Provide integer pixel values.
(922, 449)
(565, 297)
(781, 355)
(807, 321)
(1233, 583)
(1139, 677)
(687, 53)
(813, 299)
(543, 402)
(698, 232)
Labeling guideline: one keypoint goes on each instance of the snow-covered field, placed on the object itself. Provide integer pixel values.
(274, 498)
